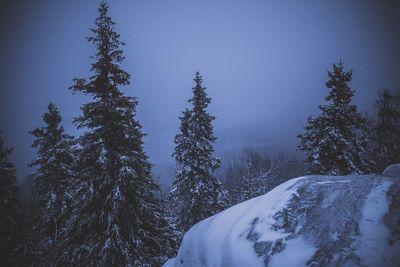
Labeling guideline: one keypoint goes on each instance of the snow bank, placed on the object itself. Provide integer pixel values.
(392, 171)
(313, 220)
(222, 240)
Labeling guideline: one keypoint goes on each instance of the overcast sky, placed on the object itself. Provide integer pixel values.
(264, 63)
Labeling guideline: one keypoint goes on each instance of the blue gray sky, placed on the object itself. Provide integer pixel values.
(264, 63)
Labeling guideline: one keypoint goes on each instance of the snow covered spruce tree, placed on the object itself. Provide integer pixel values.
(10, 209)
(196, 192)
(331, 140)
(118, 219)
(386, 133)
(53, 175)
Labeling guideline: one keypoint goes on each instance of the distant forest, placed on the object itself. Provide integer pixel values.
(92, 200)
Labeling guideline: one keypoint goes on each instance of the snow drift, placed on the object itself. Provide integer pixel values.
(392, 170)
(307, 221)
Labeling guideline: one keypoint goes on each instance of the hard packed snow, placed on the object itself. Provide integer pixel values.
(306, 221)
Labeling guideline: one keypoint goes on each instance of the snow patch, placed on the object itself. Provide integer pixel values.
(296, 253)
(374, 248)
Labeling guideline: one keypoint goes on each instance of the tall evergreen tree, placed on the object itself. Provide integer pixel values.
(118, 218)
(10, 207)
(53, 175)
(386, 134)
(196, 193)
(331, 139)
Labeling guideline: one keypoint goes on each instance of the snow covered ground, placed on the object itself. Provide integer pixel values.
(307, 221)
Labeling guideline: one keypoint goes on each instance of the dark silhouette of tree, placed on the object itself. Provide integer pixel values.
(331, 140)
(10, 209)
(117, 219)
(196, 193)
(386, 131)
(52, 177)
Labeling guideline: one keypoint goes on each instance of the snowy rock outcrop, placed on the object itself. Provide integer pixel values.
(392, 171)
(306, 221)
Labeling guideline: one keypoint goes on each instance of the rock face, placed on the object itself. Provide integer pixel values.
(307, 221)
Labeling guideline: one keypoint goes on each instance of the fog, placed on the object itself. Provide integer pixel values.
(264, 64)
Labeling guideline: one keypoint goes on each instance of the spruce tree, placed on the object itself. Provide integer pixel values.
(331, 140)
(52, 176)
(386, 133)
(10, 209)
(118, 219)
(196, 192)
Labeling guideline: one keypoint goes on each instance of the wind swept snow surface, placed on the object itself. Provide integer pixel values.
(307, 221)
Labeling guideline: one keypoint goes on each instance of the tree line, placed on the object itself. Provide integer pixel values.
(92, 200)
